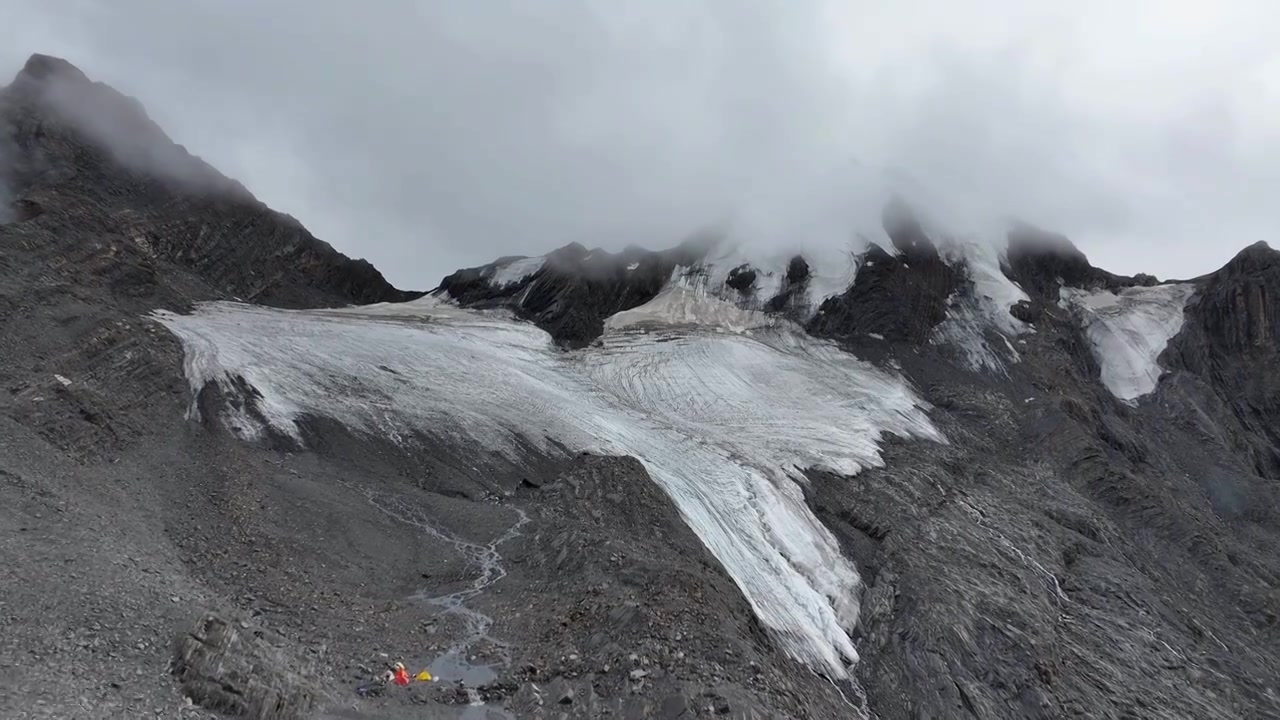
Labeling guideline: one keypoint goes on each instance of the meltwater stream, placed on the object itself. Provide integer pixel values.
(454, 665)
(724, 416)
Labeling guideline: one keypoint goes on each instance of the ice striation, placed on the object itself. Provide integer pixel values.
(1128, 331)
(725, 422)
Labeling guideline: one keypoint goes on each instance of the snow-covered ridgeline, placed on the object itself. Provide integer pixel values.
(723, 421)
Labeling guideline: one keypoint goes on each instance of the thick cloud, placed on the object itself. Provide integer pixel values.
(427, 136)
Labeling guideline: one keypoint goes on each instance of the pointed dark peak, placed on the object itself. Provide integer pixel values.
(1237, 311)
(574, 250)
(1231, 339)
(797, 270)
(905, 230)
(41, 68)
(1042, 262)
(53, 106)
(87, 166)
(1257, 258)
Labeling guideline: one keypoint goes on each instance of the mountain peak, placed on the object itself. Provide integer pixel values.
(81, 155)
(54, 102)
(1256, 257)
(42, 67)
(1043, 262)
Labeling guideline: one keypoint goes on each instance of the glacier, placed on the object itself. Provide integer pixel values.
(1128, 331)
(725, 421)
(832, 268)
(513, 272)
(982, 311)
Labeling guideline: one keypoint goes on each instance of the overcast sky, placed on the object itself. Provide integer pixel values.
(427, 136)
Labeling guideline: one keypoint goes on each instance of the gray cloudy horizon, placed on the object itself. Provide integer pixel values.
(427, 136)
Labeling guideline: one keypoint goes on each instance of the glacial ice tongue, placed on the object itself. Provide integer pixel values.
(724, 422)
(1128, 331)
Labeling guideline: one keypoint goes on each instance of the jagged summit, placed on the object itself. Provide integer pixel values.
(86, 163)
(973, 301)
(1259, 257)
(1043, 262)
(42, 67)
(62, 99)
(902, 288)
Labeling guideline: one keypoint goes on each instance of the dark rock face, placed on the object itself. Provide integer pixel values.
(741, 278)
(1239, 307)
(239, 675)
(791, 300)
(1230, 342)
(576, 289)
(85, 159)
(1094, 520)
(900, 297)
(1041, 262)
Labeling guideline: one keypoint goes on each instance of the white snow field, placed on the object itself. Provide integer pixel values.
(832, 269)
(515, 271)
(723, 421)
(1128, 332)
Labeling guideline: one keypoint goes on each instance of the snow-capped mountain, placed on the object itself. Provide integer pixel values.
(930, 473)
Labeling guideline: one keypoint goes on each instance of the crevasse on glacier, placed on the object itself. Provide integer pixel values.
(724, 421)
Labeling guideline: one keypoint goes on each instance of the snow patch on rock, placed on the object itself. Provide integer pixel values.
(515, 271)
(831, 271)
(1128, 331)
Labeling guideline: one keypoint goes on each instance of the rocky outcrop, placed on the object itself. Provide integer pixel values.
(85, 160)
(1230, 342)
(575, 289)
(899, 297)
(1239, 307)
(223, 669)
(1042, 262)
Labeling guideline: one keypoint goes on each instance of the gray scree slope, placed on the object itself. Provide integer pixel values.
(1065, 554)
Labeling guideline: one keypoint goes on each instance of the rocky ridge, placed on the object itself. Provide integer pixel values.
(1063, 554)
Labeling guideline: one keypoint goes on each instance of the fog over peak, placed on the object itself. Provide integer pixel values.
(426, 137)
